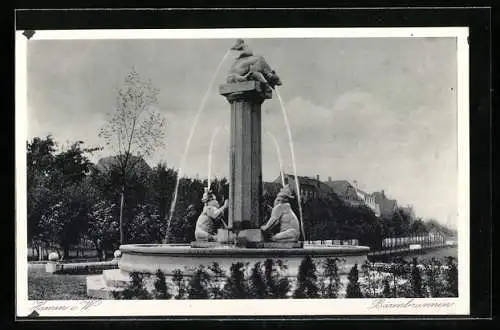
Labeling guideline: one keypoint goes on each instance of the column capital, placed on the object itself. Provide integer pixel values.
(246, 90)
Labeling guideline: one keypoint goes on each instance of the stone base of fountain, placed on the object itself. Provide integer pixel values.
(149, 258)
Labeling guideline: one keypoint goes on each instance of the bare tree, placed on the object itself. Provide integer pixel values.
(134, 130)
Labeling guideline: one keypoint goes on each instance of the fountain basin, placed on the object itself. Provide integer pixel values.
(149, 258)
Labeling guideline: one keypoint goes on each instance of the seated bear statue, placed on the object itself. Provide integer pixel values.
(205, 225)
(248, 66)
(283, 217)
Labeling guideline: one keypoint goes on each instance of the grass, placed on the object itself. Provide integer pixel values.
(46, 286)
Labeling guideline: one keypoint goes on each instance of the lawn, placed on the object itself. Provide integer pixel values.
(46, 286)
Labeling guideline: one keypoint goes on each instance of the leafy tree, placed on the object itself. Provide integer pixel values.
(72, 164)
(134, 129)
(307, 280)
(236, 286)
(40, 164)
(146, 225)
(161, 287)
(162, 184)
(331, 280)
(353, 289)
(198, 285)
(103, 229)
(64, 223)
(418, 228)
(58, 192)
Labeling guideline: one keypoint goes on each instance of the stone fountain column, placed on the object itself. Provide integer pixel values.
(245, 185)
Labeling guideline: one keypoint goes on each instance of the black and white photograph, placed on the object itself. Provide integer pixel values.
(230, 171)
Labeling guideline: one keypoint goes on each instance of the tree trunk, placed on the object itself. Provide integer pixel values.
(122, 202)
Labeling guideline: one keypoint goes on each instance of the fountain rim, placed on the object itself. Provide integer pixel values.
(183, 250)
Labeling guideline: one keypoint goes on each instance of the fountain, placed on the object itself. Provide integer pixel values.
(244, 239)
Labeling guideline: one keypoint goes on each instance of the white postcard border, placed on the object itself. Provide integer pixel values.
(93, 308)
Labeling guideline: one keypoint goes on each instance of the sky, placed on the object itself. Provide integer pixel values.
(381, 111)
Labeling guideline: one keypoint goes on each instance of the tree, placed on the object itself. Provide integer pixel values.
(64, 223)
(134, 129)
(353, 289)
(387, 292)
(161, 287)
(433, 280)
(40, 195)
(72, 164)
(371, 280)
(146, 225)
(162, 184)
(418, 228)
(236, 286)
(331, 280)
(307, 280)
(180, 284)
(277, 283)
(135, 289)
(198, 285)
(416, 280)
(399, 270)
(218, 275)
(103, 229)
(258, 288)
(451, 277)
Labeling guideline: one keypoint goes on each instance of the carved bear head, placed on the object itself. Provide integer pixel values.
(273, 79)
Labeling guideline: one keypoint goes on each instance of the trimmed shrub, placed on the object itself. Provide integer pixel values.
(236, 286)
(307, 281)
(199, 284)
(180, 284)
(258, 287)
(451, 277)
(277, 285)
(135, 289)
(161, 287)
(353, 289)
(330, 285)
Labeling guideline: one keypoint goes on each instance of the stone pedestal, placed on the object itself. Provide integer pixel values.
(245, 184)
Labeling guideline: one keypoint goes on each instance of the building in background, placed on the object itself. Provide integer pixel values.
(368, 199)
(345, 191)
(350, 193)
(387, 206)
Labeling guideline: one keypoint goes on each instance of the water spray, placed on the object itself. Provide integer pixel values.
(280, 159)
(292, 151)
(188, 142)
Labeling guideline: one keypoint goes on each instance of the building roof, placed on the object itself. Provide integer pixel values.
(307, 181)
(272, 187)
(342, 188)
(387, 206)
